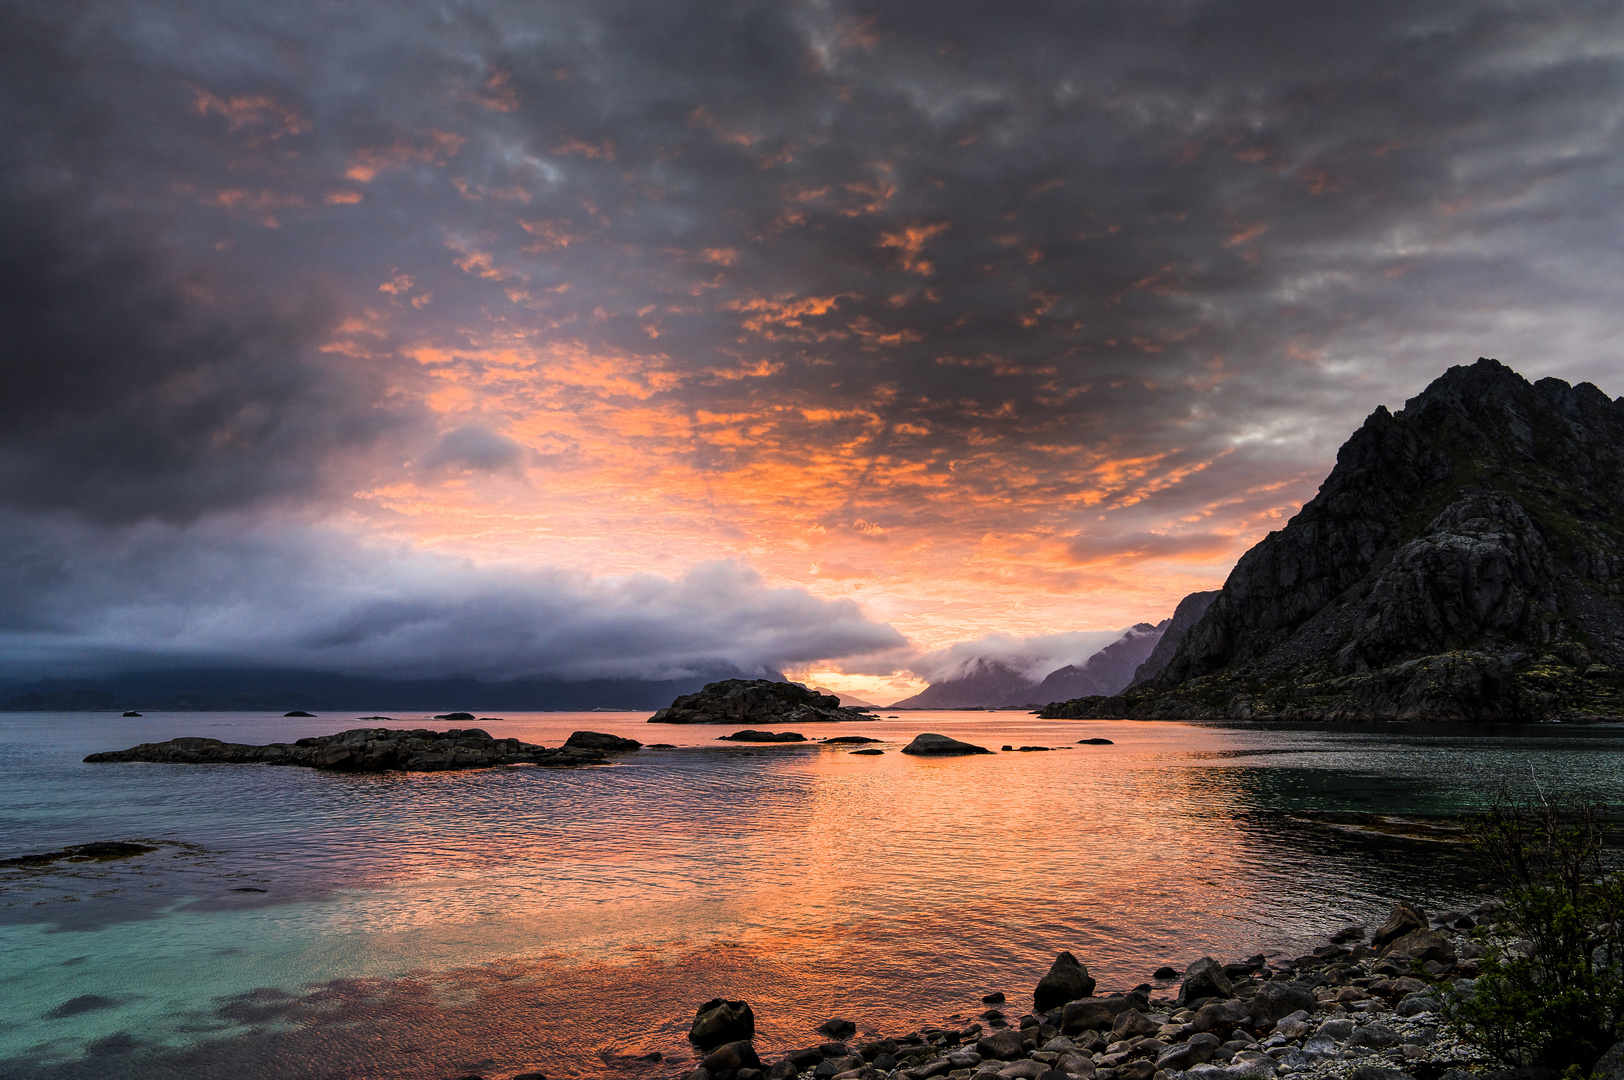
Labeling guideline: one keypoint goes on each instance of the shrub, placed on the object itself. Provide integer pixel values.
(1551, 985)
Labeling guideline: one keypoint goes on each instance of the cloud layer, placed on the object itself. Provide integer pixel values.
(1025, 320)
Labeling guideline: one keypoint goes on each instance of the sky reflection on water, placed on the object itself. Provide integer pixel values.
(539, 918)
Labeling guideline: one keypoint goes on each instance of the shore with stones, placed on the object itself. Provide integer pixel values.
(1365, 1006)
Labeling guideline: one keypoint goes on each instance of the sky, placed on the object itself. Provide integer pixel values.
(849, 340)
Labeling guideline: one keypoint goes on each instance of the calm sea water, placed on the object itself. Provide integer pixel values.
(570, 921)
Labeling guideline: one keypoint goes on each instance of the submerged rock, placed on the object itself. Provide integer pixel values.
(362, 750)
(733, 700)
(932, 745)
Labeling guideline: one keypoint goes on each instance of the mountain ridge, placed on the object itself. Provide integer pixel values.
(1462, 560)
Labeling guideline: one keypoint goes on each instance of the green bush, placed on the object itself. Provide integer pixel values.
(1550, 991)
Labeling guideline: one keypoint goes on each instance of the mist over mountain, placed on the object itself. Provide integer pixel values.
(1463, 560)
(996, 682)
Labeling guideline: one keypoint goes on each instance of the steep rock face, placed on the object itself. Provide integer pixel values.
(1108, 671)
(733, 701)
(1186, 615)
(1462, 561)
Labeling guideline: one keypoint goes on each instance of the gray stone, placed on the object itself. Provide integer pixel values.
(1404, 919)
(721, 1021)
(1611, 1065)
(1132, 1023)
(1198, 1051)
(1023, 1070)
(1338, 1028)
(1136, 1070)
(1376, 1036)
(1220, 1015)
(1090, 1014)
(1416, 1004)
(1205, 978)
(1276, 1000)
(1376, 1072)
(1424, 945)
(1003, 1045)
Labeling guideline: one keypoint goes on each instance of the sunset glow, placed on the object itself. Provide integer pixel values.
(905, 309)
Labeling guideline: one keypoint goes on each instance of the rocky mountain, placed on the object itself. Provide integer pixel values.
(1463, 560)
(984, 684)
(1108, 671)
(1186, 615)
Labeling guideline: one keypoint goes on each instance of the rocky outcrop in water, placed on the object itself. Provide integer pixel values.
(933, 745)
(362, 750)
(1463, 561)
(734, 701)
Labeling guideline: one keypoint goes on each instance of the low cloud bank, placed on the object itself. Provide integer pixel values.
(1032, 657)
(82, 601)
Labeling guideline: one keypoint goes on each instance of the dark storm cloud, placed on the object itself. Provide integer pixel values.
(74, 600)
(1113, 275)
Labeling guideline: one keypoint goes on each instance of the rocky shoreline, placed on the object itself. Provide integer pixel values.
(1354, 1009)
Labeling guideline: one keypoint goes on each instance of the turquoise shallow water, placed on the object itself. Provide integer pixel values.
(508, 919)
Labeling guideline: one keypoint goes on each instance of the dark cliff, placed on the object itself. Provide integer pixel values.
(1463, 560)
(1185, 616)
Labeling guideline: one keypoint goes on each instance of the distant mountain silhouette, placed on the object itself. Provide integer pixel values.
(989, 683)
(277, 690)
(1106, 672)
(1463, 560)
(985, 683)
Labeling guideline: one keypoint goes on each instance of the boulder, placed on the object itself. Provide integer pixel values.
(1145, 1070)
(1204, 979)
(1132, 1023)
(1003, 1045)
(721, 1021)
(1422, 945)
(1275, 1000)
(1198, 1051)
(837, 1029)
(1376, 1035)
(734, 1055)
(1416, 1004)
(1221, 1015)
(752, 735)
(932, 745)
(597, 740)
(1611, 1065)
(1091, 1014)
(732, 701)
(1067, 980)
(1404, 919)
(1023, 1070)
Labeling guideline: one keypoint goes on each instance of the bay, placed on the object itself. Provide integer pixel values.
(299, 923)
